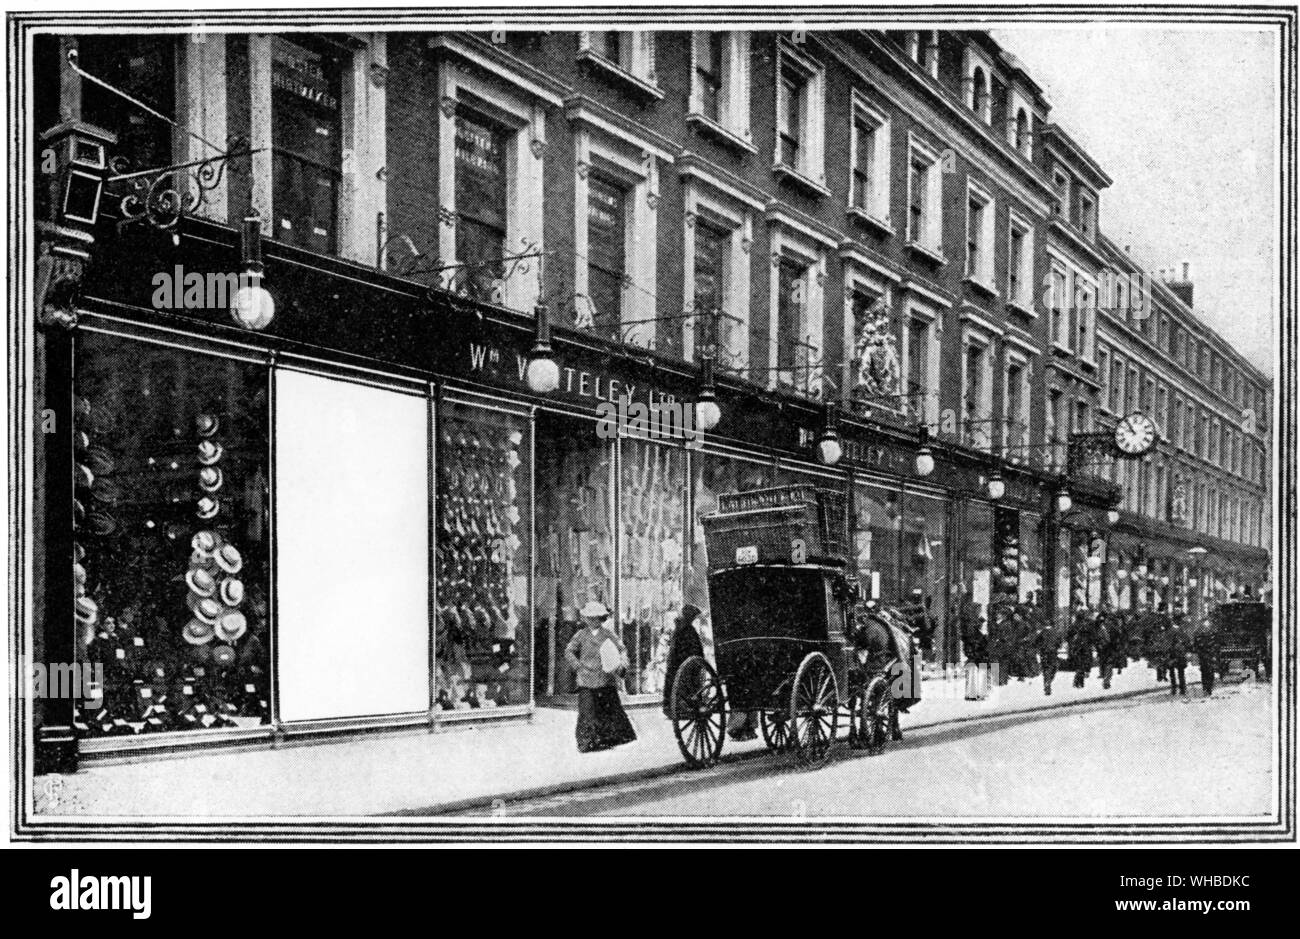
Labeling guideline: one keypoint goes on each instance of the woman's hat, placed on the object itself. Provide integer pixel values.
(201, 582)
(208, 508)
(223, 655)
(232, 591)
(228, 559)
(209, 452)
(106, 492)
(210, 478)
(204, 608)
(78, 552)
(85, 478)
(78, 574)
(199, 559)
(206, 424)
(232, 625)
(594, 609)
(197, 632)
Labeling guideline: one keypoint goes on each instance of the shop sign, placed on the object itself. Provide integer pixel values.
(490, 361)
(862, 455)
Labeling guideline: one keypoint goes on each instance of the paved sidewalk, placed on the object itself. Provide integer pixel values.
(419, 770)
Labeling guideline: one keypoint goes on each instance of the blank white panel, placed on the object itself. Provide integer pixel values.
(352, 549)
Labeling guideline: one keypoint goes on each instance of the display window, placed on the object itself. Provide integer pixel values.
(483, 640)
(977, 573)
(652, 525)
(170, 553)
(1031, 582)
(877, 535)
(575, 538)
(924, 586)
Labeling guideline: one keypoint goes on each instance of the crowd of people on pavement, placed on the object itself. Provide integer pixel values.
(1025, 643)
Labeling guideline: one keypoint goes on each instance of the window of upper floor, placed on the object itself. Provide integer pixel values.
(1087, 219)
(1020, 263)
(720, 86)
(800, 119)
(1060, 193)
(925, 197)
(628, 56)
(796, 317)
(981, 216)
(977, 82)
(923, 49)
(869, 163)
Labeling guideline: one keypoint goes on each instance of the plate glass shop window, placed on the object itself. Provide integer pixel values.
(306, 137)
(481, 187)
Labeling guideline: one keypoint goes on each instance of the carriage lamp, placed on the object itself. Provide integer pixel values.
(924, 457)
(707, 412)
(543, 373)
(829, 447)
(997, 488)
(253, 307)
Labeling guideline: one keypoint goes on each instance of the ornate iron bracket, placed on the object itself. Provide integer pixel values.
(162, 196)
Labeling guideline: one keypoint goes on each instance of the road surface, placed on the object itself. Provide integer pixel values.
(1147, 756)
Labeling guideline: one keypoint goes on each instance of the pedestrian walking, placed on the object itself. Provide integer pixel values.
(975, 643)
(1176, 648)
(599, 658)
(1047, 642)
(1104, 636)
(1082, 643)
(685, 642)
(1206, 643)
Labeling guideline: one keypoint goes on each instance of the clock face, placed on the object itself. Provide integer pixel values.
(1135, 434)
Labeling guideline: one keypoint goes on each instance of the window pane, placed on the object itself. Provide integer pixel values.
(789, 321)
(652, 529)
(171, 536)
(481, 185)
(711, 248)
(606, 213)
(575, 539)
(306, 133)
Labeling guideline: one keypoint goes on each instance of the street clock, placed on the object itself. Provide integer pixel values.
(1135, 434)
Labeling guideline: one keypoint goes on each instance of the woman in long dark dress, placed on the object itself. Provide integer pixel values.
(685, 643)
(602, 722)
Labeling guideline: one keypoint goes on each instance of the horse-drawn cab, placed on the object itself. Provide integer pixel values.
(793, 640)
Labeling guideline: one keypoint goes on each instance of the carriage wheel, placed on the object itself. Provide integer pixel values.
(776, 729)
(814, 710)
(875, 716)
(699, 712)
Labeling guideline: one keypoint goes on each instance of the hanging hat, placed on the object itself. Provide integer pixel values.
(228, 559)
(207, 542)
(87, 611)
(206, 424)
(85, 478)
(232, 591)
(106, 492)
(204, 608)
(101, 523)
(209, 452)
(78, 574)
(78, 512)
(200, 560)
(78, 552)
(208, 508)
(201, 582)
(197, 632)
(80, 440)
(232, 625)
(99, 460)
(223, 655)
(210, 478)
(594, 608)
